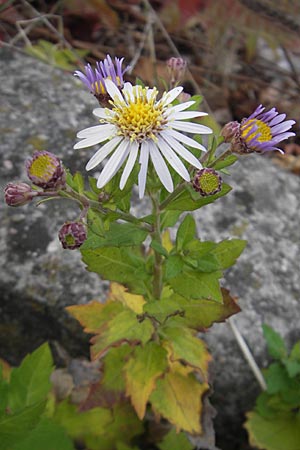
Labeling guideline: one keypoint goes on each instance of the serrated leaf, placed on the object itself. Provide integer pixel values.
(132, 301)
(142, 370)
(93, 315)
(47, 436)
(118, 235)
(177, 398)
(279, 433)
(14, 428)
(189, 200)
(78, 182)
(175, 441)
(117, 264)
(226, 252)
(275, 343)
(125, 327)
(30, 383)
(186, 232)
(192, 284)
(186, 347)
(195, 314)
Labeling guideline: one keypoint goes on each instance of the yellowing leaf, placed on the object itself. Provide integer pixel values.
(187, 347)
(132, 301)
(178, 399)
(94, 315)
(166, 241)
(142, 370)
(124, 327)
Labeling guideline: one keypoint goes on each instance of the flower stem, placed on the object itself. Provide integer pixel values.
(158, 260)
(220, 158)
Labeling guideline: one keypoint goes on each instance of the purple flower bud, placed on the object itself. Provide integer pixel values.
(207, 182)
(46, 170)
(72, 235)
(230, 130)
(176, 68)
(18, 194)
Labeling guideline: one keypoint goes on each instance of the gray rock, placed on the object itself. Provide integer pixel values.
(43, 108)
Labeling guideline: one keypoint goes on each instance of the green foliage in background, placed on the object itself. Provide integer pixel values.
(275, 422)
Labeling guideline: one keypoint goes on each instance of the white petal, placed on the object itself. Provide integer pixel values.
(182, 151)
(183, 138)
(113, 91)
(173, 159)
(93, 140)
(190, 127)
(102, 113)
(98, 129)
(150, 93)
(129, 164)
(161, 167)
(168, 97)
(181, 106)
(103, 152)
(188, 115)
(144, 158)
(114, 163)
(128, 91)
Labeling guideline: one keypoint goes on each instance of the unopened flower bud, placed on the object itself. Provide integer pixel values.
(230, 130)
(72, 235)
(207, 182)
(176, 68)
(46, 170)
(18, 194)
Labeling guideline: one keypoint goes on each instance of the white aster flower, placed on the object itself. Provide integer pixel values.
(140, 125)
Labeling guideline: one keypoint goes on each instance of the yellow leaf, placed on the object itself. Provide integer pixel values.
(142, 370)
(119, 293)
(94, 315)
(166, 241)
(178, 398)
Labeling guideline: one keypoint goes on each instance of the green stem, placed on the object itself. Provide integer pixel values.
(158, 260)
(172, 196)
(220, 158)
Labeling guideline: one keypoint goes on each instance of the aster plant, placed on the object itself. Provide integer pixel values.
(162, 292)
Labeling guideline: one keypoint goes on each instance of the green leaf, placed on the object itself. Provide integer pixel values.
(78, 424)
(113, 364)
(226, 252)
(119, 235)
(275, 343)
(186, 232)
(196, 314)
(231, 159)
(177, 398)
(169, 218)
(30, 383)
(142, 370)
(78, 182)
(277, 378)
(173, 266)
(189, 200)
(175, 441)
(47, 436)
(117, 264)
(158, 248)
(185, 346)
(14, 428)
(292, 364)
(192, 284)
(125, 327)
(279, 433)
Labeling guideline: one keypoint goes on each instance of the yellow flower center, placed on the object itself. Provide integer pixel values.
(263, 129)
(140, 117)
(42, 167)
(208, 182)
